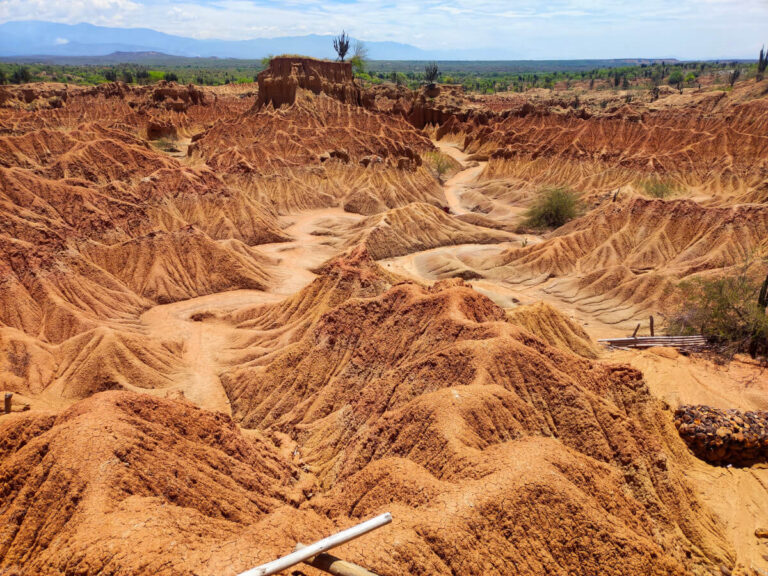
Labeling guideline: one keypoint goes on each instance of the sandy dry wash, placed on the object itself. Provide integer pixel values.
(234, 319)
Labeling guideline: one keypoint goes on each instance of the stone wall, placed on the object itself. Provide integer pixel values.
(724, 436)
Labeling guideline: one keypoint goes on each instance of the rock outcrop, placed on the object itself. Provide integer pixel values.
(278, 84)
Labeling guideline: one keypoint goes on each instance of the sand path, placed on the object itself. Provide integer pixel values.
(206, 342)
(310, 247)
(203, 342)
(457, 183)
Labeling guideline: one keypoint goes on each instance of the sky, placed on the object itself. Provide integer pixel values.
(556, 29)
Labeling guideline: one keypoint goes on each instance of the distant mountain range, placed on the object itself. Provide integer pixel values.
(35, 38)
(37, 41)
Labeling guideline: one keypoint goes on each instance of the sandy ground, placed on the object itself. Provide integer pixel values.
(455, 185)
(203, 341)
(308, 249)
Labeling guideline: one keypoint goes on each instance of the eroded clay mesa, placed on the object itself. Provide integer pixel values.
(248, 316)
(280, 82)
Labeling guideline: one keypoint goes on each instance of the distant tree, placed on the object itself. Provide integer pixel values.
(127, 76)
(170, 77)
(21, 75)
(142, 75)
(3, 78)
(266, 60)
(676, 78)
(762, 64)
(110, 75)
(431, 72)
(359, 57)
(690, 78)
(341, 45)
(733, 76)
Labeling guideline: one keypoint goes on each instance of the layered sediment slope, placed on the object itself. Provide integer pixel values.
(240, 248)
(706, 142)
(417, 227)
(318, 146)
(620, 259)
(437, 382)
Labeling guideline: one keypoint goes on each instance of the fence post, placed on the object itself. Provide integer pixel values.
(8, 396)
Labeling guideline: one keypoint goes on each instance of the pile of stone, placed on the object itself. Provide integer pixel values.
(724, 436)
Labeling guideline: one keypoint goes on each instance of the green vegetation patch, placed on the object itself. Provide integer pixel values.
(553, 208)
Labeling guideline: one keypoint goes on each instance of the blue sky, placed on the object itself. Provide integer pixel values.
(688, 29)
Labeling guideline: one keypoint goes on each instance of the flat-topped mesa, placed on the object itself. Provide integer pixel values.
(285, 75)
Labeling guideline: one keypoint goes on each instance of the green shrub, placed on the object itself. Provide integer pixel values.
(729, 310)
(658, 188)
(439, 162)
(553, 208)
(359, 57)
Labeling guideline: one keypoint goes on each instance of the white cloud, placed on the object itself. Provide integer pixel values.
(69, 11)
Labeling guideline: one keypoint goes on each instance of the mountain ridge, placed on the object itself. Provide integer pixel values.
(36, 38)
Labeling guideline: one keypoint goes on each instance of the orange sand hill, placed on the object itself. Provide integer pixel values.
(438, 383)
(706, 142)
(318, 146)
(617, 260)
(417, 227)
(222, 307)
(119, 473)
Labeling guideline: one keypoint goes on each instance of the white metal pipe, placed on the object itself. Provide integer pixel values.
(320, 546)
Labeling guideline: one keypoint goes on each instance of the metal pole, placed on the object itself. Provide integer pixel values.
(334, 566)
(320, 546)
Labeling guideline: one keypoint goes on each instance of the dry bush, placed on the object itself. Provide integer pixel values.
(167, 144)
(657, 188)
(730, 310)
(439, 162)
